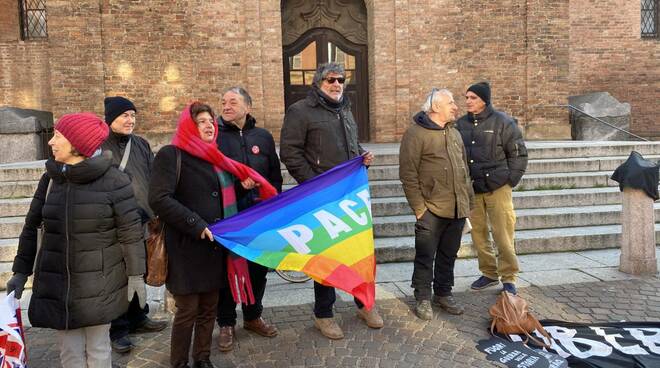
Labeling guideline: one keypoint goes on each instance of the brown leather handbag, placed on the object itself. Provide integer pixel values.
(511, 316)
(156, 252)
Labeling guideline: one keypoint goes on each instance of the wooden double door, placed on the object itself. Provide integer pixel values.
(323, 45)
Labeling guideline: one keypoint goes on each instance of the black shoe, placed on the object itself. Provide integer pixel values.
(149, 325)
(483, 282)
(509, 287)
(203, 364)
(122, 345)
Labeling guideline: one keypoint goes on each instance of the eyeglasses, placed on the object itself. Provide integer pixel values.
(332, 80)
(433, 91)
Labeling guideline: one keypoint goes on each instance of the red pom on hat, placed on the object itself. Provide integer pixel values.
(85, 131)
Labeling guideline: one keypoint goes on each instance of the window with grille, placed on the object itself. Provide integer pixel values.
(650, 18)
(33, 19)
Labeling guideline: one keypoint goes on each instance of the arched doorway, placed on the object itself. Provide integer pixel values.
(316, 32)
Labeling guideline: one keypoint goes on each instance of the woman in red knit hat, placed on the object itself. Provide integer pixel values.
(91, 258)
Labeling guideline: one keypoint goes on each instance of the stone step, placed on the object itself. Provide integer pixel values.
(8, 248)
(18, 189)
(564, 165)
(392, 206)
(400, 249)
(578, 164)
(541, 156)
(392, 188)
(526, 219)
(554, 149)
(597, 179)
(383, 206)
(14, 206)
(564, 149)
(11, 227)
(22, 171)
(6, 274)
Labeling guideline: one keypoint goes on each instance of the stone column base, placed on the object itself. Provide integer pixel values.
(642, 267)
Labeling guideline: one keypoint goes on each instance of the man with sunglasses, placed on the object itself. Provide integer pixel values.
(436, 181)
(319, 133)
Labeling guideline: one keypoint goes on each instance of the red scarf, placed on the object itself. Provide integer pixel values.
(187, 138)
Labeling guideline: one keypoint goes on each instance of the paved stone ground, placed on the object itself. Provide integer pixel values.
(405, 341)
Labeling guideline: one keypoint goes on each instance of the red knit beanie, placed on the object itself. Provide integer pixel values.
(85, 131)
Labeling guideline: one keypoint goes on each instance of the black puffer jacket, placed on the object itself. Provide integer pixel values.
(138, 167)
(253, 147)
(194, 265)
(495, 149)
(317, 135)
(92, 241)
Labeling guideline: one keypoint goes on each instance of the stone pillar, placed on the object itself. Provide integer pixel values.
(638, 234)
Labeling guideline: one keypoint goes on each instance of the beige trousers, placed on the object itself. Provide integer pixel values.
(495, 208)
(87, 347)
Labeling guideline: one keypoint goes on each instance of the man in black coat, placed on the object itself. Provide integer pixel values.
(240, 140)
(132, 155)
(497, 157)
(319, 133)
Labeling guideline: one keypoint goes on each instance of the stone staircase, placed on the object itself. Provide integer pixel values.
(565, 201)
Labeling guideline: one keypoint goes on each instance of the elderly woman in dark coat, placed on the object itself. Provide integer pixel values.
(188, 192)
(92, 241)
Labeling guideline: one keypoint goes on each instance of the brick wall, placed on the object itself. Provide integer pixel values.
(519, 46)
(24, 66)
(164, 54)
(9, 21)
(608, 54)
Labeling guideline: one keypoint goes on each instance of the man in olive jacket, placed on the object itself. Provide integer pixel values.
(498, 159)
(319, 133)
(433, 170)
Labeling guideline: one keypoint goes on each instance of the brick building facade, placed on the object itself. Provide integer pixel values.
(163, 54)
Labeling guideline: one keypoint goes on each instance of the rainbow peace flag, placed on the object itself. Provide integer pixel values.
(322, 227)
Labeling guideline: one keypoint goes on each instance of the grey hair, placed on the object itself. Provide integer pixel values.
(433, 96)
(324, 69)
(240, 91)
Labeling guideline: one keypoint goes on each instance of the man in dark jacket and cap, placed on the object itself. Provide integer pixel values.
(241, 140)
(319, 133)
(132, 155)
(497, 158)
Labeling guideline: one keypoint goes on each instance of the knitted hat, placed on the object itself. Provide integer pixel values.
(481, 89)
(115, 106)
(85, 131)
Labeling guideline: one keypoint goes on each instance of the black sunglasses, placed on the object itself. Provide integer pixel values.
(332, 80)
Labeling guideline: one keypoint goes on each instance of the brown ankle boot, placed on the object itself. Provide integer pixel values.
(260, 326)
(329, 328)
(226, 338)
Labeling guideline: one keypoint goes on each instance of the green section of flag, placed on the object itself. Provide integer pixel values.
(272, 259)
(322, 241)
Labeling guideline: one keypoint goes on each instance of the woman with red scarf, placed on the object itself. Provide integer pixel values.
(202, 193)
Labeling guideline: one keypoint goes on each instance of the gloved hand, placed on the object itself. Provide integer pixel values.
(136, 285)
(17, 284)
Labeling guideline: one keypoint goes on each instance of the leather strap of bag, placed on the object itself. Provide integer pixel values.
(178, 166)
(124, 158)
(40, 229)
(178, 175)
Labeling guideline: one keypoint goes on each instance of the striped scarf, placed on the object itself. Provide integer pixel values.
(187, 139)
